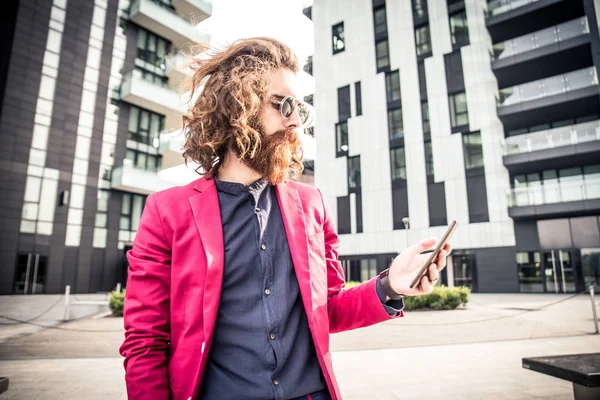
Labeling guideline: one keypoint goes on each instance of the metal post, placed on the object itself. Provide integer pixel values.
(119, 287)
(594, 308)
(562, 271)
(67, 296)
(554, 272)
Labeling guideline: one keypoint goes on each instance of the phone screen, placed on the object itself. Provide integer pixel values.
(432, 258)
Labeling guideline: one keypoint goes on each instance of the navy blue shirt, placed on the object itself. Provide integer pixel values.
(262, 347)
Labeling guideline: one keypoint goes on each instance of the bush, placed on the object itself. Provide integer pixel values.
(117, 300)
(351, 284)
(442, 298)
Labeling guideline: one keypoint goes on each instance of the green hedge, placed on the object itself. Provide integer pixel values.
(442, 298)
(117, 300)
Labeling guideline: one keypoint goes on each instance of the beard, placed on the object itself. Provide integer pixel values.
(279, 155)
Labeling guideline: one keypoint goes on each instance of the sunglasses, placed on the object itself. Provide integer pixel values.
(287, 105)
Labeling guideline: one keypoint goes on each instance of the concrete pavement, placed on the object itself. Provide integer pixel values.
(473, 353)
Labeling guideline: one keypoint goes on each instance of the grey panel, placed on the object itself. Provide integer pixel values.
(584, 231)
(554, 233)
(526, 236)
(477, 199)
(496, 270)
(437, 204)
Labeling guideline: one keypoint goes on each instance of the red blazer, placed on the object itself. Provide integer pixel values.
(174, 286)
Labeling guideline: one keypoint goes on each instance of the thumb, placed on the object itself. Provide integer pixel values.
(421, 246)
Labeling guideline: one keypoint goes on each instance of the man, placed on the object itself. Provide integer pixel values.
(234, 280)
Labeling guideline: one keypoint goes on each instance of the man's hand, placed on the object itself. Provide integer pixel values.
(408, 264)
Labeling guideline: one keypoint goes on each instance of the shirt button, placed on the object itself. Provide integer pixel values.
(257, 209)
(276, 382)
(267, 292)
(272, 336)
(263, 246)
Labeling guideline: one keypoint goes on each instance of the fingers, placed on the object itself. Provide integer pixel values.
(433, 274)
(421, 246)
(448, 248)
(441, 260)
(426, 285)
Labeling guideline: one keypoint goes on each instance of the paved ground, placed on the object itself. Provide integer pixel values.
(474, 353)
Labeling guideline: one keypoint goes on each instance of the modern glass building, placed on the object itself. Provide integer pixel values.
(482, 112)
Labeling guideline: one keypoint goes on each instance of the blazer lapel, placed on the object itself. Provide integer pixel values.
(207, 215)
(295, 228)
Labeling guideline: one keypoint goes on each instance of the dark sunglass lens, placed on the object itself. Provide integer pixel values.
(287, 107)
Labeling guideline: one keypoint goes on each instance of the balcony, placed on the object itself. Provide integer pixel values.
(175, 70)
(548, 52)
(558, 97)
(128, 178)
(196, 10)
(161, 19)
(562, 147)
(507, 19)
(557, 200)
(153, 96)
(171, 144)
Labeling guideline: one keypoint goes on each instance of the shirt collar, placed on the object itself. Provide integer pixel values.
(236, 188)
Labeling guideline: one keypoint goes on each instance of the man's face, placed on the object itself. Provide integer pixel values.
(282, 83)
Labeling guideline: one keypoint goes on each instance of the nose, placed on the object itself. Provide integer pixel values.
(293, 122)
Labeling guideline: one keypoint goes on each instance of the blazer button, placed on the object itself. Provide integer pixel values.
(263, 246)
(276, 382)
(272, 336)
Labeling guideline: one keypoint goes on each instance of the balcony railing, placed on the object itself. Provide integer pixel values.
(551, 138)
(554, 193)
(558, 84)
(545, 37)
(498, 7)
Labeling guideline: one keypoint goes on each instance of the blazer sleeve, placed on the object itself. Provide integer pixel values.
(352, 308)
(146, 310)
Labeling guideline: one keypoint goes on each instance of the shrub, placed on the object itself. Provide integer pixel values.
(117, 300)
(351, 284)
(442, 298)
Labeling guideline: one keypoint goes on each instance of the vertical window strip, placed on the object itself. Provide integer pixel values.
(85, 126)
(42, 183)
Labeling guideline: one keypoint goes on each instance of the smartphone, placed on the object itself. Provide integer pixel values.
(432, 258)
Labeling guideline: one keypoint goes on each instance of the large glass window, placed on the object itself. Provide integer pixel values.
(395, 124)
(380, 22)
(144, 126)
(382, 55)
(152, 48)
(143, 160)
(473, 152)
(419, 8)
(459, 114)
(368, 269)
(343, 213)
(358, 97)
(428, 159)
(341, 138)
(337, 35)
(343, 103)
(354, 172)
(132, 206)
(423, 40)
(459, 30)
(392, 86)
(530, 272)
(425, 116)
(398, 163)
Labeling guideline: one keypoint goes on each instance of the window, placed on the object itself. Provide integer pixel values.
(398, 162)
(308, 67)
(144, 126)
(341, 138)
(358, 98)
(337, 34)
(368, 269)
(143, 160)
(343, 212)
(472, 149)
(400, 207)
(419, 8)
(308, 12)
(392, 86)
(353, 173)
(382, 55)
(530, 274)
(151, 77)
(343, 103)
(152, 48)
(395, 124)
(422, 80)
(459, 115)
(459, 30)
(309, 99)
(423, 41)
(425, 116)
(380, 22)
(428, 159)
(359, 221)
(132, 206)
